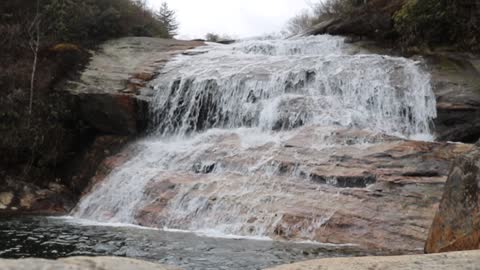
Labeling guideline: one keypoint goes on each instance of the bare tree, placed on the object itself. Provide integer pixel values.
(34, 42)
(299, 23)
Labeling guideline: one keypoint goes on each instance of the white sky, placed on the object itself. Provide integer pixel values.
(236, 18)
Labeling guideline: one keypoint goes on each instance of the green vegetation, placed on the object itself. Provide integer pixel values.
(420, 23)
(166, 17)
(214, 37)
(97, 20)
(439, 22)
(43, 43)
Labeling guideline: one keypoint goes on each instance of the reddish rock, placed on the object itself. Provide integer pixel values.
(113, 90)
(456, 225)
(380, 196)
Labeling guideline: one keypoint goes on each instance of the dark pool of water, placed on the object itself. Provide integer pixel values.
(55, 238)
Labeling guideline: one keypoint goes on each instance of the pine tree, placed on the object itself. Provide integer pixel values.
(167, 17)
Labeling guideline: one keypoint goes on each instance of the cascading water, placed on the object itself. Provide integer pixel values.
(237, 130)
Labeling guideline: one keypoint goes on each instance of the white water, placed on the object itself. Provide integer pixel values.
(222, 123)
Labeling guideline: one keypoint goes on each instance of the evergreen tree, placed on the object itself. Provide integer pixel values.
(167, 17)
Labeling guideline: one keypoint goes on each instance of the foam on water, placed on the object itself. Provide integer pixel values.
(284, 84)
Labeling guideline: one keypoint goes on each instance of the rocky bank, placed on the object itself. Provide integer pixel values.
(467, 260)
(110, 101)
(82, 263)
(446, 261)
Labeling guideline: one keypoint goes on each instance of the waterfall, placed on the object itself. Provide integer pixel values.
(237, 131)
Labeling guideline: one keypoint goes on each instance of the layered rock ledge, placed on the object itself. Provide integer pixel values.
(446, 261)
(376, 192)
(112, 91)
(82, 263)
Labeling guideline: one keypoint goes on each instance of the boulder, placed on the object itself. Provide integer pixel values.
(457, 223)
(5, 199)
(82, 263)
(447, 261)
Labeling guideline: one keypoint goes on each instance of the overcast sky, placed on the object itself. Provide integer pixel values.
(237, 18)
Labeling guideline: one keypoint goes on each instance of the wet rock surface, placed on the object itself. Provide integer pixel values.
(455, 79)
(360, 194)
(285, 139)
(457, 223)
(446, 261)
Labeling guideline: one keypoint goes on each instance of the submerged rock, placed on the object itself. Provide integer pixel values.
(457, 223)
(447, 261)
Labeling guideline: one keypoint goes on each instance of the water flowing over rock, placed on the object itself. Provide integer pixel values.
(284, 84)
(288, 139)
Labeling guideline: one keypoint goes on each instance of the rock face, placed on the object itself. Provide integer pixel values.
(447, 261)
(379, 182)
(457, 223)
(82, 263)
(379, 187)
(456, 83)
(112, 93)
(455, 79)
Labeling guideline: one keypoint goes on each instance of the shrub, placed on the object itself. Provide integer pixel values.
(212, 37)
(42, 140)
(300, 23)
(425, 21)
(97, 20)
(328, 9)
